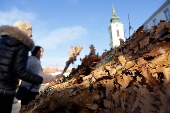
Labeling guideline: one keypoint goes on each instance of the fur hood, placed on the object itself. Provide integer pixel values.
(18, 34)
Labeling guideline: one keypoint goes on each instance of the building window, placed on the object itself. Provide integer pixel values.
(154, 22)
(167, 14)
(118, 33)
(146, 27)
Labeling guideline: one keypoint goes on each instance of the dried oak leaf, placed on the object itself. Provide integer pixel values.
(124, 82)
(129, 64)
(158, 69)
(109, 86)
(163, 94)
(155, 52)
(75, 51)
(146, 104)
(112, 71)
(87, 77)
(85, 99)
(144, 42)
(149, 78)
(62, 98)
(93, 79)
(138, 79)
(166, 72)
(92, 106)
(116, 97)
(141, 61)
(155, 75)
(107, 103)
(122, 60)
(118, 67)
(137, 99)
(135, 49)
(161, 60)
(100, 73)
(108, 67)
(128, 99)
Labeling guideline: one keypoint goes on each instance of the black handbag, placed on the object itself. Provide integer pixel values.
(22, 92)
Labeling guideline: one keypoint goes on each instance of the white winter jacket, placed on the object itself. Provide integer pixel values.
(34, 65)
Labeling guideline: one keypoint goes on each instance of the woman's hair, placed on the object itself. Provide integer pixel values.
(22, 25)
(36, 49)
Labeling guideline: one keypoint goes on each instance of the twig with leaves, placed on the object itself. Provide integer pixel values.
(74, 53)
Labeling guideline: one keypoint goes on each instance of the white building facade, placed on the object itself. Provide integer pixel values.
(116, 30)
(162, 13)
(55, 71)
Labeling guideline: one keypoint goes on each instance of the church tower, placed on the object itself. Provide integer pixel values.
(116, 30)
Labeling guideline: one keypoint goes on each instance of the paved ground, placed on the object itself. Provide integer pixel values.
(16, 107)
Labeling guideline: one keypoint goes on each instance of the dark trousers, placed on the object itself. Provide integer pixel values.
(6, 100)
(28, 97)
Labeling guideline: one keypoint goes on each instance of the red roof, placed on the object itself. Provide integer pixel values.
(53, 70)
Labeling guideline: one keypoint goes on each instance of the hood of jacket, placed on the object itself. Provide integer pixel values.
(17, 34)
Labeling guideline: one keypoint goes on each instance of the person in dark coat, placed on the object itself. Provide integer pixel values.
(15, 43)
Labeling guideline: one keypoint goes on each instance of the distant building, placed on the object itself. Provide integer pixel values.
(116, 30)
(162, 13)
(55, 71)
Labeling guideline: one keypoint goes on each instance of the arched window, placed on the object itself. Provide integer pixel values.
(167, 14)
(154, 22)
(117, 33)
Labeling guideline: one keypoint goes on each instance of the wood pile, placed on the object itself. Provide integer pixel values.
(131, 78)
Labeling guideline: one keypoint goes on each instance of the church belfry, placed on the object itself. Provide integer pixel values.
(116, 30)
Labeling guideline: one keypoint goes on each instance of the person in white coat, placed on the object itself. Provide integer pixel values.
(34, 65)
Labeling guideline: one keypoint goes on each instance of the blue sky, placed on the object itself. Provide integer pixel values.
(59, 24)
